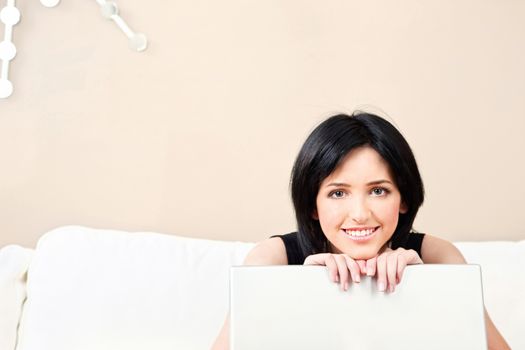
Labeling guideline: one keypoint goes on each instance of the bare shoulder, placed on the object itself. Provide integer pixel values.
(268, 252)
(435, 250)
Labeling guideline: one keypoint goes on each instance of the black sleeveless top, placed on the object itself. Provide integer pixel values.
(296, 256)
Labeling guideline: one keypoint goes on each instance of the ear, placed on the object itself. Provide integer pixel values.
(314, 215)
(403, 208)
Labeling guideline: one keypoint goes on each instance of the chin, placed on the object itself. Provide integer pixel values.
(363, 253)
(357, 252)
(362, 256)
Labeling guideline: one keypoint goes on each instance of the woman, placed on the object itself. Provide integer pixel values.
(356, 190)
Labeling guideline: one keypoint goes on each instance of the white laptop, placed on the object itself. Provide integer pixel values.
(297, 307)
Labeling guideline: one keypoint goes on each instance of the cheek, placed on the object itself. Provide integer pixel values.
(328, 213)
(388, 212)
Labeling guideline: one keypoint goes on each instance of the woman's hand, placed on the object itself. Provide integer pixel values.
(388, 267)
(341, 267)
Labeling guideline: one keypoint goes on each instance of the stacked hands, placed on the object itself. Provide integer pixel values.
(387, 266)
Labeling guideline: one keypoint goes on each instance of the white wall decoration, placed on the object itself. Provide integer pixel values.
(137, 41)
(10, 16)
(49, 3)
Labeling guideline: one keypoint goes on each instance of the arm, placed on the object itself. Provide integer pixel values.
(438, 251)
(268, 252)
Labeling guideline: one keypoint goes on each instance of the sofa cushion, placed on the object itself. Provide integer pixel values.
(103, 289)
(503, 284)
(14, 261)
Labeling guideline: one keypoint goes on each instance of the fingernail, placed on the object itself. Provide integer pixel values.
(346, 285)
(381, 286)
(392, 288)
(369, 271)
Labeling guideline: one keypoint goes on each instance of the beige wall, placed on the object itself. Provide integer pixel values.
(196, 136)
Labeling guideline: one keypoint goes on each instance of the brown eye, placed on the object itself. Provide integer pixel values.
(379, 191)
(337, 194)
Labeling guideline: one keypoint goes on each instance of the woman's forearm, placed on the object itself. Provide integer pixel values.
(494, 338)
(223, 339)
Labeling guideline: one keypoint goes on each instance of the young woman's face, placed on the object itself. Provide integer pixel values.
(358, 205)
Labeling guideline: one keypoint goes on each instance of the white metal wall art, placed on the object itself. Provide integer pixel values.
(137, 41)
(10, 16)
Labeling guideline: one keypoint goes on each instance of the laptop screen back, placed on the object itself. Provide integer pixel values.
(297, 307)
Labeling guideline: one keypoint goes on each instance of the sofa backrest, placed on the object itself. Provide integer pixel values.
(103, 289)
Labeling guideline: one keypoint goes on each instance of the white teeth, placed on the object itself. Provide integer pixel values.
(359, 233)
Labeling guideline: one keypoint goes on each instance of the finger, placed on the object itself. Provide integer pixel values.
(354, 269)
(371, 266)
(342, 270)
(401, 264)
(409, 257)
(316, 259)
(381, 272)
(330, 263)
(391, 271)
(362, 266)
(413, 257)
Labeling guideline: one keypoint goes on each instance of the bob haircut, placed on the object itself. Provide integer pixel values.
(324, 150)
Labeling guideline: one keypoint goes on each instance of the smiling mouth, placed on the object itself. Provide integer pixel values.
(360, 235)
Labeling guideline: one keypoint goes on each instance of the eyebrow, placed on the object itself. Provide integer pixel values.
(371, 183)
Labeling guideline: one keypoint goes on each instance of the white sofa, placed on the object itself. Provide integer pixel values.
(104, 289)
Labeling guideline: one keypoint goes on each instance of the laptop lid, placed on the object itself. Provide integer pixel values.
(297, 307)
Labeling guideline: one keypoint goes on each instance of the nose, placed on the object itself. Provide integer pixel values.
(359, 211)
